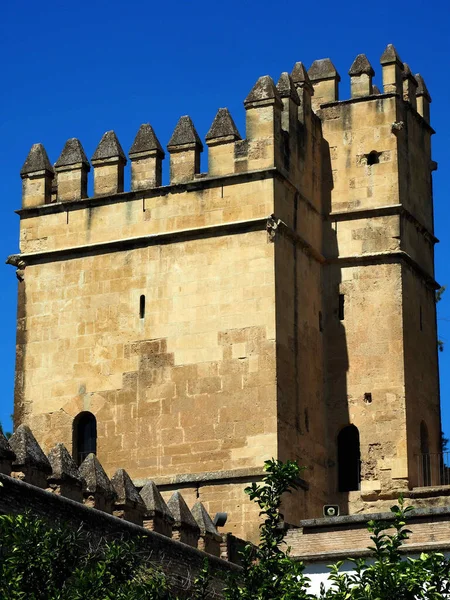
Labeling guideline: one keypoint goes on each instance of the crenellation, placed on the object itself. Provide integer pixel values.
(184, 148)
(305, 91)
(7, 455)
(220, 140)
(30, 463)
(72, 168)
(410, 85)
(423, 98)
(289, 122)
(98, 491)
(108, 161)
(263, 107)
(361, 73)
(128, 504)
(209, 540)
(146, 156)
(325, 80)
(37, 177)
(184, 528)
(392, 68)
(157, 516)
(65, 479)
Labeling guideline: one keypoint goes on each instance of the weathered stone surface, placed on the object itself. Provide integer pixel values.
(264, 89)
(146, 141)
(27, 450)
(72, 154)
(407, 72)
(286, 88)
(300, 75)
(223, 126)
(37, 160)
(62, 464)
(422, 89)
(124, 488)
(6, 452)
(322, 69)
(180, 512)
(154, 502)
(94, 477)
(185, 134)
(203, 519)
(109, 147)
(361, 65)
(390, 56)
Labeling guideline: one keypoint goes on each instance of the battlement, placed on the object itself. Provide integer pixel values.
(23, 459)
(274, 136)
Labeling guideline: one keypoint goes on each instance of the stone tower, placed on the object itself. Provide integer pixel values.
(279, 305)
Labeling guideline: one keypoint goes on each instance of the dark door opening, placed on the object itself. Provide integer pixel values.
(349, 459)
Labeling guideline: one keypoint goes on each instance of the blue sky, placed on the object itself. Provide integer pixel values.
(78, 69)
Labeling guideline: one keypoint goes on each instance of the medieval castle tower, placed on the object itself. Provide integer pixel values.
(280, 305)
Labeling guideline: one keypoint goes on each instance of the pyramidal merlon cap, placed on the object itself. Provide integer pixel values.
(390, 56)
(37, 160)
(124, 488)
(146, 141)
(109, 147)
(300, 75)
(154, 502)
(185, 134)
(360, 66)
(5, 449)
(203, 519)
(180, 511)
(95, 477)
(63, 466)
(72, 154)
(286, 88)
(323, 69)
(264, 89)
(223, 126)
(27, 450)
(422, 89)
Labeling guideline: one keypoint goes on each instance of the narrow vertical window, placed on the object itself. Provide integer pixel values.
(84, 436)
(341, 307)
(142, 307)
(425, 462)
(349, 459)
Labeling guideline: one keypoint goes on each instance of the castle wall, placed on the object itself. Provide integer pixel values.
(415, 165)
(57, 227)
(354, 129)
(301, 415)
(421, 377)
(254, 343)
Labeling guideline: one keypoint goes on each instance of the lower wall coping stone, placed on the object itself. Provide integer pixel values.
(346, 521)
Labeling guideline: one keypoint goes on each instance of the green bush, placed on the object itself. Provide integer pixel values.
(39, 561)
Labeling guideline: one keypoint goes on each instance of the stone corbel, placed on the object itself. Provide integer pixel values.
(272, 227)
(17, 261)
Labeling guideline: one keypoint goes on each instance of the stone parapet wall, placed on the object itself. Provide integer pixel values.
(180, 562)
